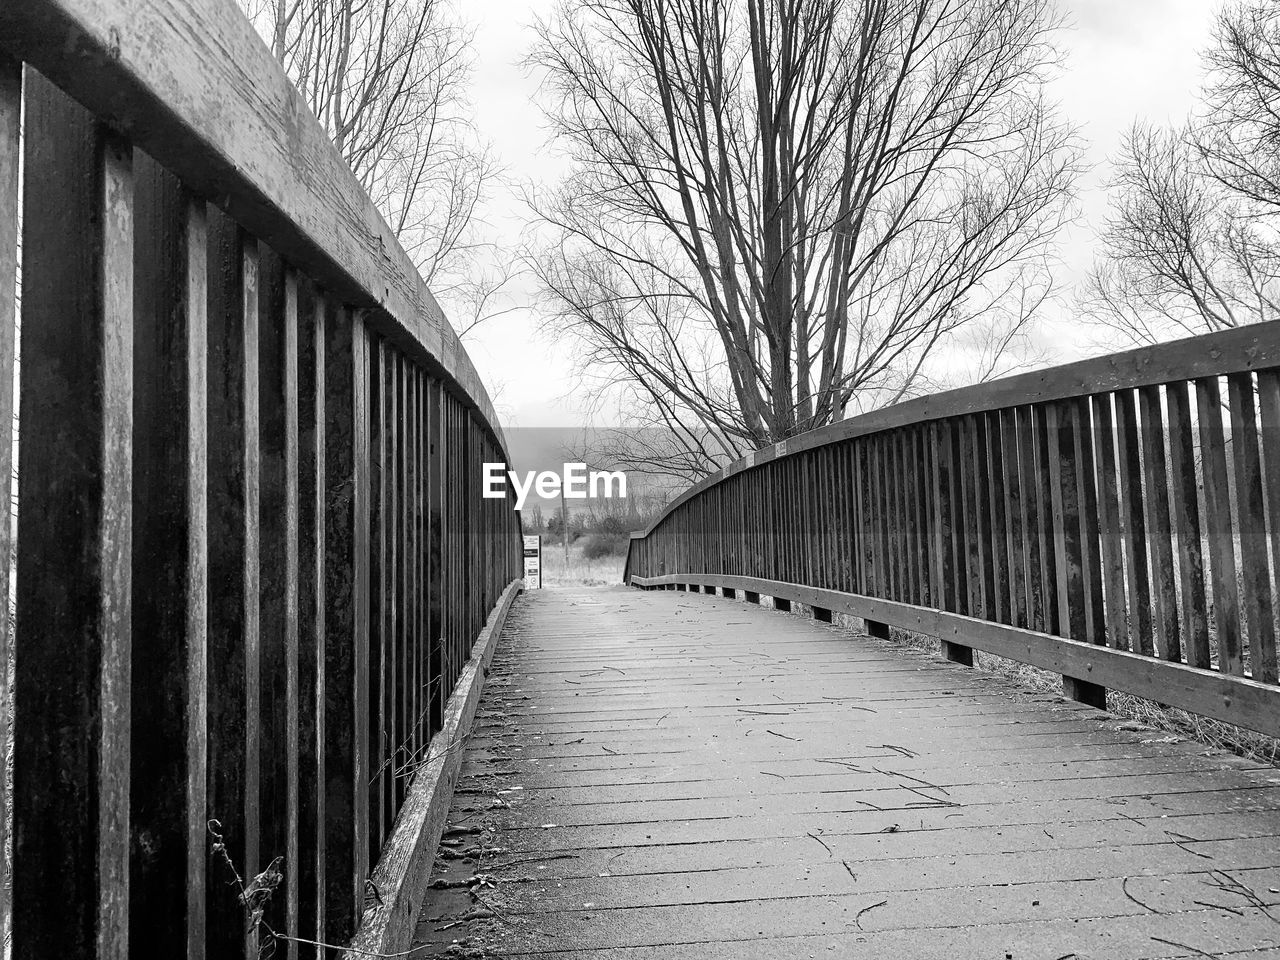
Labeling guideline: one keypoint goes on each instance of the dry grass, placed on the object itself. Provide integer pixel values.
(579, 571)
(1212, 733)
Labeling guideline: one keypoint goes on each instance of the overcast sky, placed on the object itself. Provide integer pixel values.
(1126, 59)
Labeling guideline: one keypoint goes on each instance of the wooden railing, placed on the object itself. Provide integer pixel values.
(252, 555)
(1115, 520)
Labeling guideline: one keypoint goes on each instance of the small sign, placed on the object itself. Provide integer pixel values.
(533, 561)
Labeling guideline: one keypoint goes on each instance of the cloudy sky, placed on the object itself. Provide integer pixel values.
(1126, 59)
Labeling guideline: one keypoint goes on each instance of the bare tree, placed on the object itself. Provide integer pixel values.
(388, 79)
(782, 209)
(1191, 244)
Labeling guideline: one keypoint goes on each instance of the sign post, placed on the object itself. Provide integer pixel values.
(533, 561)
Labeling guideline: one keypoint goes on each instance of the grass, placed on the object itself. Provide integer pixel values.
(579, 571)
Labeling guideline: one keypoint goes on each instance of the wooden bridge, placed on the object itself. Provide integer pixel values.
(257, 594)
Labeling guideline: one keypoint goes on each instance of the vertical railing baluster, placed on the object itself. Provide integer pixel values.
(170, 539)
(233, 568)
(310, 863)
(72, 639)
(1133, 521)
(1160, 532)
(10, 199)
(1269, 409)
(347, 562)
(1182, 464)
(1251, 511)
(1222, 554)
(1109, 522)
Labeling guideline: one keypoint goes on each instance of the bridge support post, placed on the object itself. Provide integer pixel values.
(877, 629)
(1082, 691)
(751, 596)
(822, 614)
(957, 653)
(780, 603)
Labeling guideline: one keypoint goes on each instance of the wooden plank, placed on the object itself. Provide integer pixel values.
(995, 459)
(381, 439)
(233, 566)
(1067, 548)
(258, 149)
(73, 637)
(1168, 632)
(346, 616)
(10, 199)
(1090, 536)
(274, 668)
(1222, 555)
(703, 822)
(1269, 405)
(1014, 492)
(1109, 529)
(1239, 700)
(1045, 451)
(1182, 465)
(435, 544)
(970, 544)
(960, 574)
(292, 519)
(1255, 573)
(169, 692)
(1133, 521)
(313, 308)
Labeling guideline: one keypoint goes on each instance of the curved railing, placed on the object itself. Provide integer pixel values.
(1115, 520)
(252, 555)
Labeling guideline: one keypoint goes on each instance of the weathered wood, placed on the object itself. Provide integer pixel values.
(1269, 407)
(1109, 530)
(278, 677)
(695, 834)
(346, 616)
(403, 871)
(73, 638)
(1251, 512)
(1160, 531)
(313, 309)
(233, 572)
(1242, 701)
(170, 557)
(1186, 510)
(1133, 520)
(1221, 533)
(257, 148)
(10, 200)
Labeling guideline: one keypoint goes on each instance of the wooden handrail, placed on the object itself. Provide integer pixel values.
(252, 552)
(1128, 502)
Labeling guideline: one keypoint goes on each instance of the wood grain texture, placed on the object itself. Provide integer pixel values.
(1245, 702)
(694, 777)
(170, 557)
(73, 636)
(10, 201)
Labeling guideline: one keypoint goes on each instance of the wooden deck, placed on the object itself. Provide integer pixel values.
(667, 775)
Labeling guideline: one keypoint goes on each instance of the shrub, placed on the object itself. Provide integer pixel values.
(599, 545)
